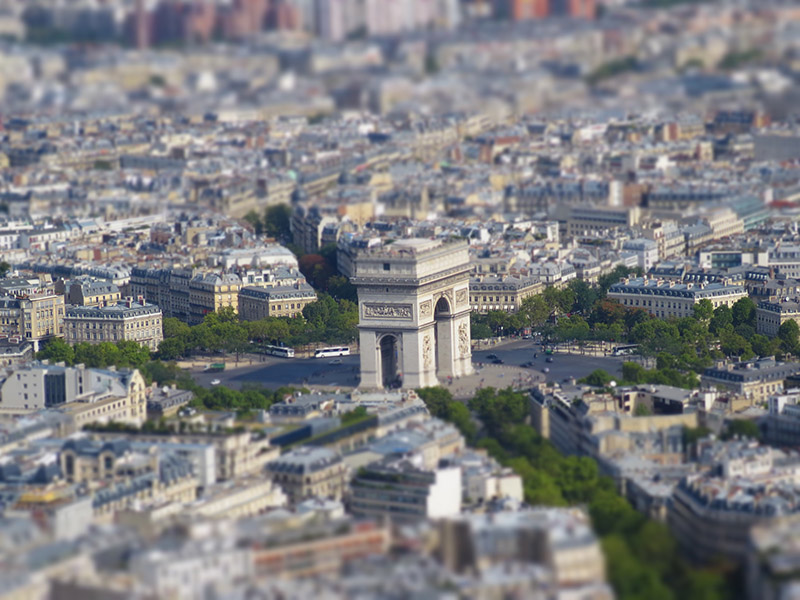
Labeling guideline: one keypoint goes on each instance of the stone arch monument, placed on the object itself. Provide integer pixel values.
(413, 301)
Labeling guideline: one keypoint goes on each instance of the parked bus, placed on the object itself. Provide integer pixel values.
(215, 368)
(625, 350)
(334, 351)
(281, 351)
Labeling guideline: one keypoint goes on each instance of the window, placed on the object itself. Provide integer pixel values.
(386, 266)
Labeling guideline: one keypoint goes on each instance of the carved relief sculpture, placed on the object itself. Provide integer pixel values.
(461, 297)
(463, 340)
(427, 351)
(425, 309)
(388, 311)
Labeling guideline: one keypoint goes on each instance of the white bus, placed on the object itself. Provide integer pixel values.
(625, 350)
(279, 351)
(335, 351)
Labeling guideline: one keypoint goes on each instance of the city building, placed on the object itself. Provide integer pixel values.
(403, 491)
(33, 318)
(755, 379)
(665, 299)
(711, 513)
(257, 303)
(128, 320)
(504, 293)
(310, 472)
(86, 395)
(772, 559)
(770, 315)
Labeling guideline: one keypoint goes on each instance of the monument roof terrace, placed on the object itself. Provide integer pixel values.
(411, 260)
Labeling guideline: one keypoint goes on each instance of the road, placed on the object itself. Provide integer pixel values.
(562, 367)
(274, 372)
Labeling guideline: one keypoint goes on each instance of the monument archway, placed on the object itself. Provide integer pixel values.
(413, 298)
(389, 352)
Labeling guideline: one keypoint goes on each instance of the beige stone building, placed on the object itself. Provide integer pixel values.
(85, 395)
(756, 379)
(211, 292)
(310, 472)
(89, 292)
(257, 303)
(245, 498)
(34, 317)
(504, 293)
(128, 320)
(666, 299)
(770, 315)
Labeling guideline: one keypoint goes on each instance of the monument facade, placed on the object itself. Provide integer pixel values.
(413, 299)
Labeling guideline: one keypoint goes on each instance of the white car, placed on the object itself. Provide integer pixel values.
(547, 369)
(215, 382)
(335, 361)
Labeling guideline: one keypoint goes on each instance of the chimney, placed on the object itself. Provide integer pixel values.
(140, 300)
(128, 301)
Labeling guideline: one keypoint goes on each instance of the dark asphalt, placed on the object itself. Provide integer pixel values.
(275, 372)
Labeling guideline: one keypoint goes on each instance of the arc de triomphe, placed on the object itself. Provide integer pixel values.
(413, 301)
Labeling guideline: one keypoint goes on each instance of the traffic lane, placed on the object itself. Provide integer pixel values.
(276, 372)
(562, 367)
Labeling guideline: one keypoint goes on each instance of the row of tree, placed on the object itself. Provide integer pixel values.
(643, 558)
(326, 320)
(574, 304)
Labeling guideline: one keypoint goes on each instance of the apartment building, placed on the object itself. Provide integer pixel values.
(211, 292)
(781, 425)
(666, 299)
(246, 497)
(34, 318)
(237, 454)
(771, 315)
(786, 259)
(86, 395)
(400, 489)
(755, 379)
(711, 513)
(585, 220)
(325, 548)
(128, 320)
(310, 472)
(502, 292)
(89, 292)
(257, 303)
(561, 538)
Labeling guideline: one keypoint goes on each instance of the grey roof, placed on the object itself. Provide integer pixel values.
(304, 460)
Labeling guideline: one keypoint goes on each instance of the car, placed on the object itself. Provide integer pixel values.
(498, 361)
(549, 359)
(335, 361)
(215, 382)
(547, 369)
(535, 355)
(491, 356)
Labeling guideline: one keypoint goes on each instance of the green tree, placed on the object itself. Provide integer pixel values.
(703, 310)
(4, 268)
(744, 312)
(535, 311)
(132, 354)
(597, 378)
(175, 328)
(742, 428)
(171, 348)
(789, 335)
(436, 399)
(633, 372)
(723, 316)
(57, 350)
(764, 346)
(585, 296)
(276, 221)
(256, 221)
